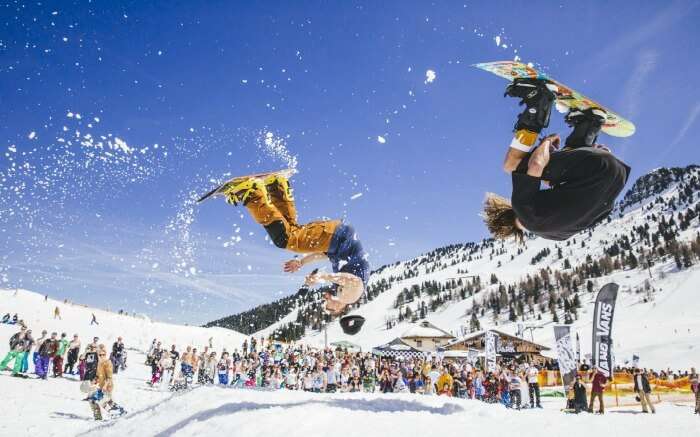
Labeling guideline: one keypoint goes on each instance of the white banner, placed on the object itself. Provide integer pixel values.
(490, 350)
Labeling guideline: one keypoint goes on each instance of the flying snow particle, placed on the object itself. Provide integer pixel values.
(31, 135)
(498, 40)
(355, 196)
(191, 129)
(430, 76)
(249, 267)
(244, 80)
(193, 271)
(65, 39)
(381, 139)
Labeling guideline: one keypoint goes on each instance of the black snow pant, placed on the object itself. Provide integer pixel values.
(72, 359)
(534, 390)
(515, 400)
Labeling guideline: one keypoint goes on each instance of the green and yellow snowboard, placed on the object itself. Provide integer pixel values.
(220, 190)
(614, 124)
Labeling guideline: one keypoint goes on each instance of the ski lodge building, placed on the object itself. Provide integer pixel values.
(508, 347)
(426, 337)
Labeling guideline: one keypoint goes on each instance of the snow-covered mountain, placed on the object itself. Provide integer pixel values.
(649, 245)
(138, 331)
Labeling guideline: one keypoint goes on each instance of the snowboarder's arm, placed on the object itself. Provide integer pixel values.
(350, 289)
(295, 264)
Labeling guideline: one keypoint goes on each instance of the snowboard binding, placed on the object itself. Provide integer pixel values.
(537, 97)
(587, 124)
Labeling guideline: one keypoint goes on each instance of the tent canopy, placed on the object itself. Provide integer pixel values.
(397, 348)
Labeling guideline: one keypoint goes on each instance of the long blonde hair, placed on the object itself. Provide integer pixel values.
(499, 218)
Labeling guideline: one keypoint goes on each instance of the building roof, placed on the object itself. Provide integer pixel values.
(425, 329)
(478, 334)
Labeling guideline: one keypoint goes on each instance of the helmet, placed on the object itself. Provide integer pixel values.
(352, 324)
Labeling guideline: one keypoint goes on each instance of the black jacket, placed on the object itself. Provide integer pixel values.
(585, 182)
(645, 384)
(580, 395)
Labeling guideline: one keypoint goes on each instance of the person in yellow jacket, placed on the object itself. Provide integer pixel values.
(445, 379)
(104, 385)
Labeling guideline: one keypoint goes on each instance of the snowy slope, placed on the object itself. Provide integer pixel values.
(138, 331)
(662, 332)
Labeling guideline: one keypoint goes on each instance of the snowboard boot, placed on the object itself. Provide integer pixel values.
(537, 97)
(241, 191)
(587, 123)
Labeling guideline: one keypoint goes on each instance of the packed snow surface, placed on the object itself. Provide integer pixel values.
(55, 408)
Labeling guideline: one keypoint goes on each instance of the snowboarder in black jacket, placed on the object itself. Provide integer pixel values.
(584, 177)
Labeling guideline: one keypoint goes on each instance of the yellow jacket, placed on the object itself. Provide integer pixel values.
(445, 378)
(104, 375)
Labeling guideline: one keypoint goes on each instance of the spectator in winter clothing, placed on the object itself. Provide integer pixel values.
(46, 350)
(38, 343)
(580, 402)
(73, 352)
(222, 368)
(117, 355)
(61, 347)
(28, 344)
(16, 353)
(514, 388)
(695, 387)
(533, 386)
(599, 380)
(91, 359)
(444, 379)
(643, 390)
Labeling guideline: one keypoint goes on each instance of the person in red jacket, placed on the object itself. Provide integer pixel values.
(599, 381)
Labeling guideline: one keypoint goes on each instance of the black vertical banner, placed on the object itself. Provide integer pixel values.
(602, 329)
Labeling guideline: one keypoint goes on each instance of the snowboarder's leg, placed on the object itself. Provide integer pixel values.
(309, 238)
(538, 100)
(587, 125)
(96, 412)
(281, 197)
(255, 198)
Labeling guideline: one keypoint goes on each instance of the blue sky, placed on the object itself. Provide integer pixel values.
(192, 88)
